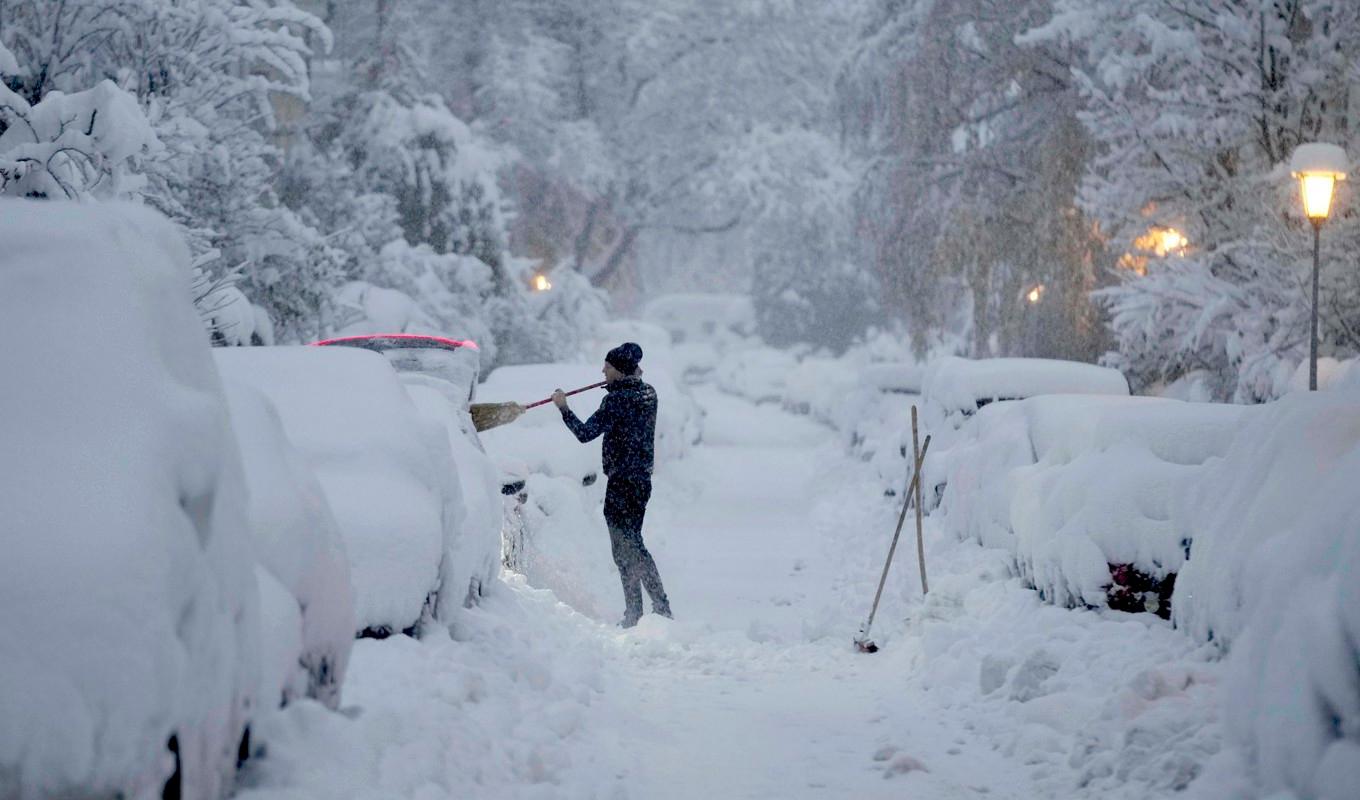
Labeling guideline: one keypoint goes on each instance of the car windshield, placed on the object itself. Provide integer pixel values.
(458, 367)
(458, 363)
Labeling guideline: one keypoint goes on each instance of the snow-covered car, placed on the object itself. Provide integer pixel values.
(702, 317)
(130, 624)
(1080, 490)
(702, 328)
(953, 390)
(759, 374)
(385, 470)
(307, 618)
(440, 374)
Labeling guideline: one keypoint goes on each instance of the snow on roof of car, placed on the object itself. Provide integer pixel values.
(955, 382)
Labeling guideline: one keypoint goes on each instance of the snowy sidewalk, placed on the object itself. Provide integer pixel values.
(769, 543)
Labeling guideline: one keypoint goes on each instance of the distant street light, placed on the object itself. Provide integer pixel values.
(541, 283)
(1035, 294)
(1318, 167)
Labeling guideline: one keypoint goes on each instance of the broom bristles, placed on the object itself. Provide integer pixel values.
(490, 415)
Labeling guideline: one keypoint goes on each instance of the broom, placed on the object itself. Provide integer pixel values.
(862, 642)
(490, 415)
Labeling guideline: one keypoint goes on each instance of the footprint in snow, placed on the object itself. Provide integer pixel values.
(902, 765)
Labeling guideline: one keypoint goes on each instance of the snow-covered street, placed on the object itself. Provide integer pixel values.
(769, 540)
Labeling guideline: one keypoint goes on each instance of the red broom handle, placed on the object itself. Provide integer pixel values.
(568, 394)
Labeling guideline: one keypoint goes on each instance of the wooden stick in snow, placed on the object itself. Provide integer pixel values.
(919, 455)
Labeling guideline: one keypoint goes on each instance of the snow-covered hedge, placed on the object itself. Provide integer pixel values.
(1079, 489)
(379, 463)
(130, 609)
(1273, 575)
(298, 544)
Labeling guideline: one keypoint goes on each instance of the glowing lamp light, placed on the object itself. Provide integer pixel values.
(1318, 167)
(1036, 294)
(1170, 240)
(541, 283)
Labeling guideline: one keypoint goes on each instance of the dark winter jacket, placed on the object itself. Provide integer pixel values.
(627, 418)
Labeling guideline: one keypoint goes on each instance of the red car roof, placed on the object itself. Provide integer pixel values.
(414, 339)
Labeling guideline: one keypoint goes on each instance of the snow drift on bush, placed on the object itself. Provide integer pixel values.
(1272, 574)
(378, 464)
(130, 604)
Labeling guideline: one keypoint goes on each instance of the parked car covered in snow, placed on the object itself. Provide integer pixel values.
(953, 390)
(440, 375)
(702, 328)
(307, 617)
(385, 471)
(1080, 490)
(130, 624)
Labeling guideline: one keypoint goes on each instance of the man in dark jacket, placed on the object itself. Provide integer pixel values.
(627, 420)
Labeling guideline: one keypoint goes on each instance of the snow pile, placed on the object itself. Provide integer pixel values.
(515, 705)
(298, 544)
(565, 546)
(1272, 574)
(1333, 374)
(130, 607)
(1079, 489)
(377, 462)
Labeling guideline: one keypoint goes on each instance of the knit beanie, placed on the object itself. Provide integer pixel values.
(625, 357)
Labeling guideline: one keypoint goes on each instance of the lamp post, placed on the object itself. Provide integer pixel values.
(1318, 167)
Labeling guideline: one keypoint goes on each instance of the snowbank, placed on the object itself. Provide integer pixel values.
(130, 603)
(1272, 574)
(378, 464)
(298, 543)
(1079, 489)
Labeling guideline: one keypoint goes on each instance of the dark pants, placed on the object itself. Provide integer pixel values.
(625, 504)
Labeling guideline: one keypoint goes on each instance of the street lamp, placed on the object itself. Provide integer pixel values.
(1318, 167)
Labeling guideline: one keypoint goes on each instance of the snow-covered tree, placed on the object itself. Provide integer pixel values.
(1195, 107)
(968, 204)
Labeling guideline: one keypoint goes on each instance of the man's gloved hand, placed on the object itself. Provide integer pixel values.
(559, 398)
